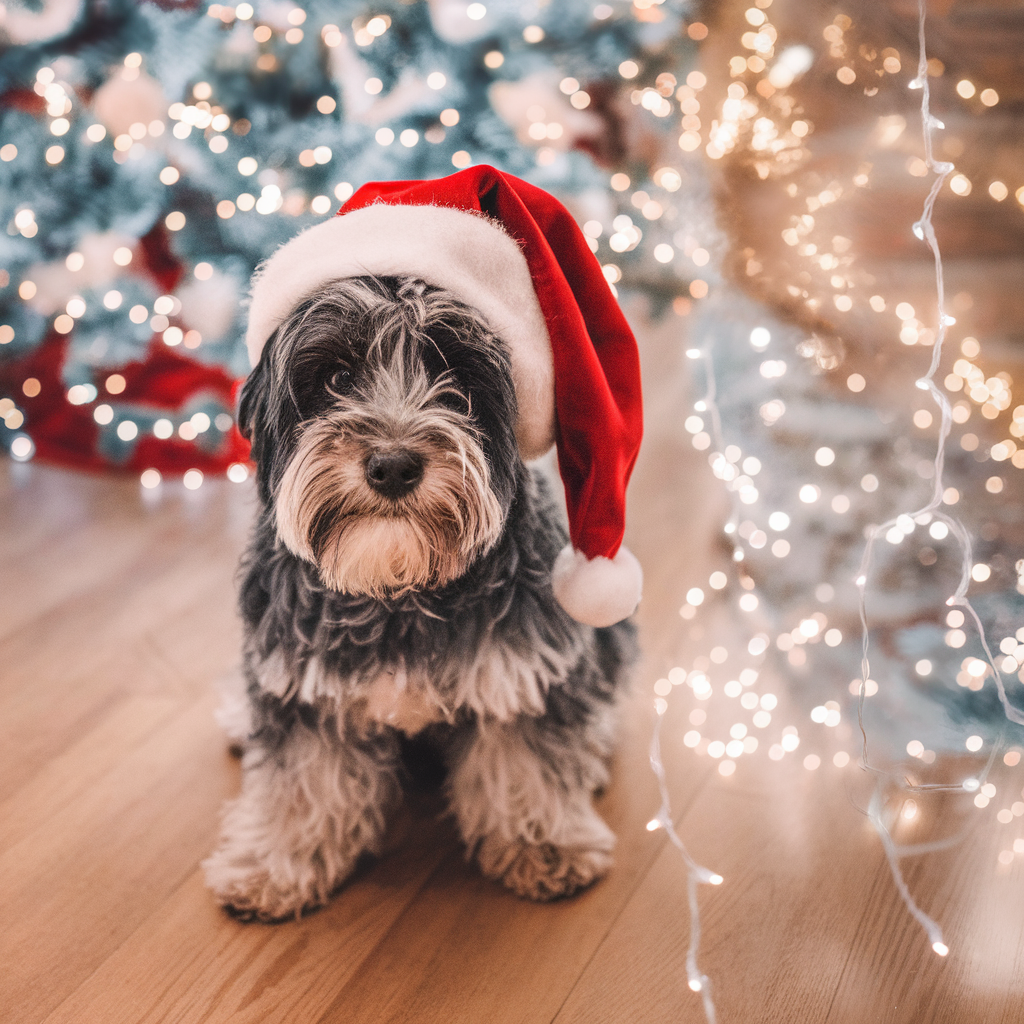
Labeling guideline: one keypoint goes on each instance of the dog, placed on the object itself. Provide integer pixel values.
(398, 583)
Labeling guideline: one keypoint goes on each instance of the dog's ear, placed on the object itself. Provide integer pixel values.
(252, 402)
(254, 421)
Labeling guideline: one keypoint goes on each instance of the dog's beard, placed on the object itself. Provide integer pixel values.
(364, 543)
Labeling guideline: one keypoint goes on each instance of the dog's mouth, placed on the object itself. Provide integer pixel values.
(389, 508)
(382, 508)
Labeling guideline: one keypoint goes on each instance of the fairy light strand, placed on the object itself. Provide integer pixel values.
(695, 873)
(894, 852)
(930, 926)
(708, 408)
(710, 401)
(924, 230)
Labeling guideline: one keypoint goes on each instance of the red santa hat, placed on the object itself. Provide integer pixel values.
(513, 252)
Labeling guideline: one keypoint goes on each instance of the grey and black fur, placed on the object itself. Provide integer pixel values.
(398, 581)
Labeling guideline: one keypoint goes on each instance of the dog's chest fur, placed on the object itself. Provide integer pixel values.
(490, 645)
(395, 700)
(498, 687)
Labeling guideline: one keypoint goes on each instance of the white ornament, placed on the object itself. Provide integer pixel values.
(452, 23)
(23, 24)
(119, 104)
(210, 306)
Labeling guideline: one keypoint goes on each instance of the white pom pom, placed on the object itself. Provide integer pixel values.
(597, 591)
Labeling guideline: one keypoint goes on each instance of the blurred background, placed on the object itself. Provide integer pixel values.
(154, 153)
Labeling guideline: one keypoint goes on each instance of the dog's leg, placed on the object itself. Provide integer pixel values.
(309, 806)
(522, 795)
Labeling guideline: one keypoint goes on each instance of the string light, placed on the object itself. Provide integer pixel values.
(740, 123)
(924, 231)
(696, 875)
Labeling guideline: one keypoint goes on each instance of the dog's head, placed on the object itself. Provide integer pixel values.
(381, 417)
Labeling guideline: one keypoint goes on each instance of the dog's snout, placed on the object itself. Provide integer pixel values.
(394, 474)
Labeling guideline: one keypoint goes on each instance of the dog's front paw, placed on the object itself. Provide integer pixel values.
(269, 887)
(543, 871)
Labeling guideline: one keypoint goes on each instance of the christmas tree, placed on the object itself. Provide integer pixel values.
(155, 153)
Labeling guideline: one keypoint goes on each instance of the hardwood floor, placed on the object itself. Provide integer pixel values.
(116, 622)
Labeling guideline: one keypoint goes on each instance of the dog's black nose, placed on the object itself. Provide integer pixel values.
(394, 474)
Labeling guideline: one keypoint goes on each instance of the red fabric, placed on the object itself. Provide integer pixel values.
(24, 99)
(166, 381)
(597, 370)
(159, 260)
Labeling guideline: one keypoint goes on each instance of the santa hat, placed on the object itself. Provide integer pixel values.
(513, 252)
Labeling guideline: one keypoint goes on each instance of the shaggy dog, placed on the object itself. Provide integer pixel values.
(398, 581)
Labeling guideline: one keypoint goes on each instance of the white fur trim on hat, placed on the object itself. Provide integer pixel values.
(465, 253)
(597, 591)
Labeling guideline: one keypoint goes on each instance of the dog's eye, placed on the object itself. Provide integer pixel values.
(341, 381)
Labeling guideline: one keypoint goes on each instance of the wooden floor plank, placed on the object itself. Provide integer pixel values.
(160, 623)
(643, 960)
(810, 927)
(249, 974)
(74, 888)
(63, 685)
(81, 765)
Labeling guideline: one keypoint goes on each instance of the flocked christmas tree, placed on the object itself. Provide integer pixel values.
(153, 154)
